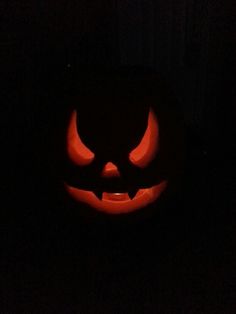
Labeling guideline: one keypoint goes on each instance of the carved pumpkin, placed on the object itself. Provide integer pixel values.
(116, 151)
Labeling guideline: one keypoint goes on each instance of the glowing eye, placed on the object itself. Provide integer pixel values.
(77, 151)
(144, 153)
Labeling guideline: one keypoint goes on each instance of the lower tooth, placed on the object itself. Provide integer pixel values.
(116, 196)
(99, 195)
(132, 194)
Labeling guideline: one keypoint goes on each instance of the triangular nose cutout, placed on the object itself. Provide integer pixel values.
(110, 170)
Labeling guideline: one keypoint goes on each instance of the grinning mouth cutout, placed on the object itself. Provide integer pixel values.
(118, 203)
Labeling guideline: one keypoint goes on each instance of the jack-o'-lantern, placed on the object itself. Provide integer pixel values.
(121, 146)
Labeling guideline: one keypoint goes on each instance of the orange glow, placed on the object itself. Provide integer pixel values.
(118, 203)
(110, 170)
(143, 154)
(77, 151)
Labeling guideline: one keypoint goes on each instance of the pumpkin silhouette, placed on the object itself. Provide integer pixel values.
(123, 143)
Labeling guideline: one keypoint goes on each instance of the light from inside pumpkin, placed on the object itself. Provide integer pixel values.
(144, 153)
(116, 202)
(80, 154)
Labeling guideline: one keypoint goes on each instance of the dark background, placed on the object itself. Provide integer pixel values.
(52, 261)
